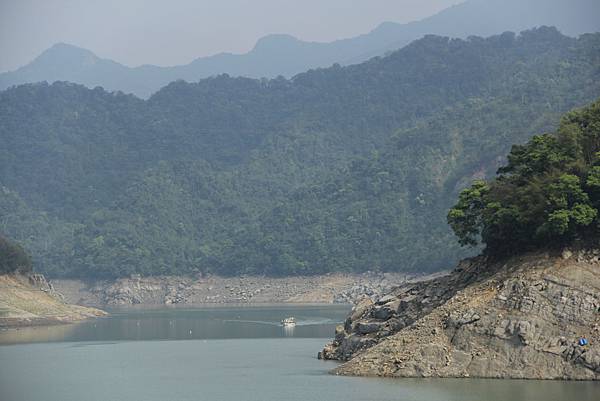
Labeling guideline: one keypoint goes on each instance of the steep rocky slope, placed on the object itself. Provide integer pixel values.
(27, 300)
(522, 318)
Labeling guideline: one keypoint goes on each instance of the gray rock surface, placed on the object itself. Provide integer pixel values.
(521, 318)
(170, 290)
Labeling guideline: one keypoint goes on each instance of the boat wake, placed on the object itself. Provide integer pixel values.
(304, 322)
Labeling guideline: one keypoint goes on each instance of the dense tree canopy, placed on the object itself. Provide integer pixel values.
(547, 195)
(345, 168)
(13, 257)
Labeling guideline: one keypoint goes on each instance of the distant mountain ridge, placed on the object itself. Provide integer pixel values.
(285, 55)
(338, 169)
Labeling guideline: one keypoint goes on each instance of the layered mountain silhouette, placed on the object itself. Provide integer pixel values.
(285, 55)
(337, 169)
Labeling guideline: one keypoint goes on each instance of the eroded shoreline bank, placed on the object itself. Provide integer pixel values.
(532, 316)
(29, 300)
(170, 290)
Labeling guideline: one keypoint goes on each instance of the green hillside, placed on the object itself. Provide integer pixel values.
(547, 196)
(345, 168)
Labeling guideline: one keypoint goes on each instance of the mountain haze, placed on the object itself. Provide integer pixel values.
(285, 55)
(339, 169)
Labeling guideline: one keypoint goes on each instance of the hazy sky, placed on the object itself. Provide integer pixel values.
(136, 32)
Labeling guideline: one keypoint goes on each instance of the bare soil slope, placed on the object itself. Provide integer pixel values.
(30, 300)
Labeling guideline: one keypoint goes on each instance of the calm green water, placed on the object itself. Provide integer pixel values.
(219, 354)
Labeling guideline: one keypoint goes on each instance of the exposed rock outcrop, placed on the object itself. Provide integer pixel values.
(168, 290)
(27, 300)
(522, 318)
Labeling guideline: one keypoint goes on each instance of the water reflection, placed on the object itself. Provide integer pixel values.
(254, 369)
(37, 334)
(134, 324)
(288, 331)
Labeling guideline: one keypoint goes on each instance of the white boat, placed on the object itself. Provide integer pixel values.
(288, 322)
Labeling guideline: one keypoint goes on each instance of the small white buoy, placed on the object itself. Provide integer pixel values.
(190, 331)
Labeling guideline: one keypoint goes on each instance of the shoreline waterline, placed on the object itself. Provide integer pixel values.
(262, 368)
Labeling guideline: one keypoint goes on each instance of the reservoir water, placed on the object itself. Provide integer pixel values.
(220, 353)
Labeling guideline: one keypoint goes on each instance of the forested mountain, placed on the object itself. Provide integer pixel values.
(547, 196)
(345, 168)
(285, 55)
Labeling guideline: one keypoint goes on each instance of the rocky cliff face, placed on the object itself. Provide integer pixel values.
(522, 318)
